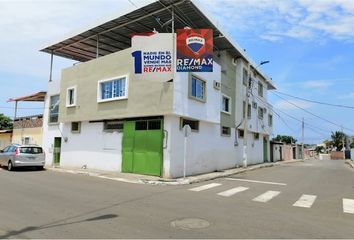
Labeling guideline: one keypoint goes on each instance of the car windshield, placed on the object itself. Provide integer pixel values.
(31, 150)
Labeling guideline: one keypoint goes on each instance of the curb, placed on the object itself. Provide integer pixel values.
(350, 163)
(178, 181)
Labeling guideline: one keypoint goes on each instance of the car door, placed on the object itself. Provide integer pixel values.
(3, 155)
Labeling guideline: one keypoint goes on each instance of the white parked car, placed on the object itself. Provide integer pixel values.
(15, 155)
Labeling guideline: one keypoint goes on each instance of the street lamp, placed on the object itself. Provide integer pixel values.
(245, 131)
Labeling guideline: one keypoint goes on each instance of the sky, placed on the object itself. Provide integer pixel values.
(309, 46)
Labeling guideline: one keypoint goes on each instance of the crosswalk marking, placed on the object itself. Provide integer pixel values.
(267, 196)
(205, 187)
(305, 201)
(232, 191)
(348, 205)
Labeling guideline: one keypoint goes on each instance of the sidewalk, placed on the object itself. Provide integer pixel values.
(143, 179)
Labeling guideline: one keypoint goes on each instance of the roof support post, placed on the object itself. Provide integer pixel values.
(97, 45)
(13, 124)
(51, 66)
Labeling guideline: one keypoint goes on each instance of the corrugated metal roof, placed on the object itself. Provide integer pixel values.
(36, 97)
(115, 34)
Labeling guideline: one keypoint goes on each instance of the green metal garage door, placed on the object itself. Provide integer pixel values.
(142, 147)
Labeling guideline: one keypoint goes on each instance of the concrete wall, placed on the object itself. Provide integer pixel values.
(5, 140)
(50, 131)
(147, 97)
(207, 150)
(287, 152)
(92, 147)
(205, 111)
(277, 152)
(34, 134)
(336, 155)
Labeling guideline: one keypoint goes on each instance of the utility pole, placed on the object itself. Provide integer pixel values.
(245, 129)
(302, 138)
(343, 139)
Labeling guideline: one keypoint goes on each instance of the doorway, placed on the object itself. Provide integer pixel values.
(56, 151)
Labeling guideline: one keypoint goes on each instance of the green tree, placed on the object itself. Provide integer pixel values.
(285, 139)
(337, 139)
(5, 122)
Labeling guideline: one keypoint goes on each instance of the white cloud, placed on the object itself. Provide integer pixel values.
(291, 104)
(347, 96)
(317, 84)
(276, 19)
(26, 26)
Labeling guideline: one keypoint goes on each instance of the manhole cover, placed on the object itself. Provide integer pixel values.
(190, 223)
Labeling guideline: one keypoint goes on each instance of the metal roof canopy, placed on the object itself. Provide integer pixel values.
(36, 97)
(115, 34)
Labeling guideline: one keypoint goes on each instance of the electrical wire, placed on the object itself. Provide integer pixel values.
(324, 119)
(309, 126)
(318, 102)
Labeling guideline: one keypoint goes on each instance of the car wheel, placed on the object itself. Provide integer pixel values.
(9, 166)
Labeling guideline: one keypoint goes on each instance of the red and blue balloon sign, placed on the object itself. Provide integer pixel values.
(194, 50)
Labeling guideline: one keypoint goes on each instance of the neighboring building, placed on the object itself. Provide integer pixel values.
(28, 130)
(107, 113)
(5, 138)
(277, 149)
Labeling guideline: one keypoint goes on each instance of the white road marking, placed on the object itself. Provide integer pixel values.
(232, 191)
(267, 196)
(305, 201)
(348, 205)
(255, 181)
(205, 187)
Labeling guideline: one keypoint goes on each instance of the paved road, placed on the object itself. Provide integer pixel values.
(257, 204)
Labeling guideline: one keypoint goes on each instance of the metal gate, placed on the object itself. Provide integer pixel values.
(143, 147)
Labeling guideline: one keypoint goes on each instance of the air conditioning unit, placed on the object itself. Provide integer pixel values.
(254, 105)
(217, 85)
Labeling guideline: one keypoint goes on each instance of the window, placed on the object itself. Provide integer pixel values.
(192, 123)
(71, 97)
(249, 111)
(26, 140)
(260, 112)
(225, 131)
(197, 89)
(111, 126)
(260, 89)
(54, 109)
(256, 136)
(241, 133)
(270, 120)
(245, 77)
(148, 125)
(75, 127)
(225, 104)
(112, 89)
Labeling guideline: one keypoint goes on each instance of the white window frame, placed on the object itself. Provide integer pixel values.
(74, 88)
(100, 100)
(204, 86)
(222, 105)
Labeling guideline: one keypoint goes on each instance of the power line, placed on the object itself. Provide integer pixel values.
(309, 126)
(318, 102)
(324, 119)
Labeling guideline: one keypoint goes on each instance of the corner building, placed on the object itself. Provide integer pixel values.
(117, 110)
